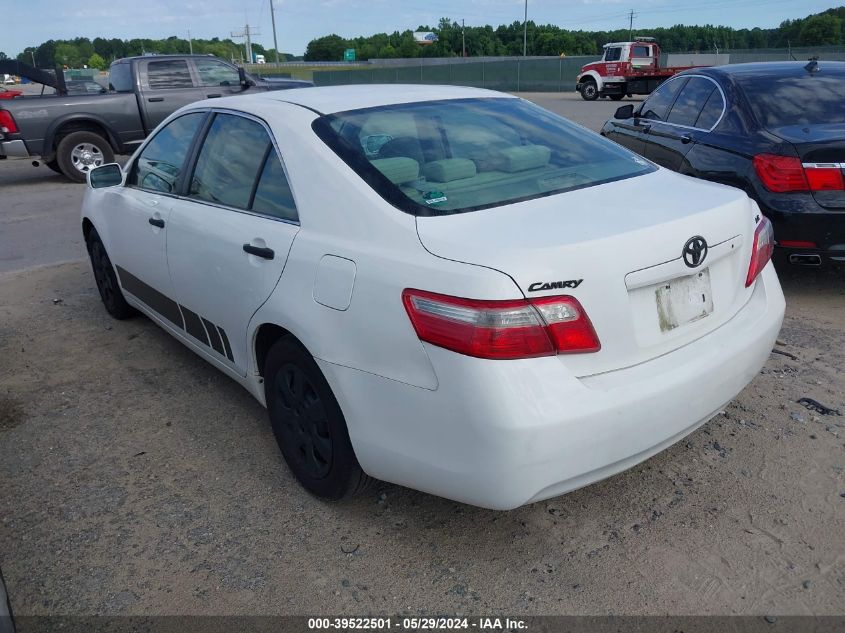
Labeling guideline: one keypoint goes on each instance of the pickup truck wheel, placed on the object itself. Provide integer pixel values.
(80, 152)
(106, 280)
(589, 90)
(54, 165)
(308, 423)
(616, 97)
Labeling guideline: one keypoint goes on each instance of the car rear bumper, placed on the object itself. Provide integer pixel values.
(13, 149)
(812, 223)
(500, 434)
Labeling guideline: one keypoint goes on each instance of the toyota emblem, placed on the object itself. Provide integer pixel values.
(695, 250)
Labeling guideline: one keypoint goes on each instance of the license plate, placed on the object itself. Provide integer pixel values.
(683, 300)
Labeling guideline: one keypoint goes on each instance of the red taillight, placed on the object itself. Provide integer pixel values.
(7, 123)
(501, 329)
(782, 174)
(797, 244)
(761, 250)
(824, 178)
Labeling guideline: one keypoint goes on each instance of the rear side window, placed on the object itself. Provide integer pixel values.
(214, 73)
(689, 102)
(231, 158)
(120, 77)
(161, 162)
(452, 156)
(640, 51)
(712, 111)
(797, 99)
(273, 195)
(171, 73)
(657, 106)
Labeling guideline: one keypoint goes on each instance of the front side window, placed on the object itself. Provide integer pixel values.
(171, 73)
(613, 54)
(215, 73)
(657, 106)
(161, 161)
(442, 157)
(231, 158)
(691, 99)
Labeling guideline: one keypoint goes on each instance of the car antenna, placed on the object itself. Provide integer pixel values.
(813, 66)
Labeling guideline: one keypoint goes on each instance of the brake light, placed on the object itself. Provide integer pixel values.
(797, 244)
(761, 250)
(501, 329)
(7, 123)
(824, 177)
(782, 174)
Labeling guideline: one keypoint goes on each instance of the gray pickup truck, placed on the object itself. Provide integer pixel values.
(74, 133)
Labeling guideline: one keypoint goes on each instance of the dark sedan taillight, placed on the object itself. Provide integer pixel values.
(783, 174)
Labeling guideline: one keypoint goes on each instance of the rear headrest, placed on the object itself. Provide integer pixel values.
(449, 169)
(399, 169)
(525, 157)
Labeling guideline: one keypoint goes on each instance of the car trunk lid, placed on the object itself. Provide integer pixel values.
(617, 248)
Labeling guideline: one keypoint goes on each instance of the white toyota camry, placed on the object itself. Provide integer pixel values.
(447, 288)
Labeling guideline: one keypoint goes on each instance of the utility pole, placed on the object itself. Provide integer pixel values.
(247, 34)
(273, 19)
(525, 32)
(190, 42)
(631, 17)
(463, 39)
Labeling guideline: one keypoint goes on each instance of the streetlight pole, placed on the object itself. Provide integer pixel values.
(273, 19)
(525, 32)
(190, 42)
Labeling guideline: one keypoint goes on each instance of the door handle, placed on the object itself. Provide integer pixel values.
(157, 222)
(213, 96)
(259, 251)
(686, 138)
(155, 99)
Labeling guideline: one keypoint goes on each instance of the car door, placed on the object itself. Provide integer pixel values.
(229, 235)
(136, 232)
(628, 132)
(166, 85)
(672, 137)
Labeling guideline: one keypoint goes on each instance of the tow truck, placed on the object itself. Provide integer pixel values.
(625, 68)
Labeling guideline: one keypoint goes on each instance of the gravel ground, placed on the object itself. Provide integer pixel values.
(136, 479)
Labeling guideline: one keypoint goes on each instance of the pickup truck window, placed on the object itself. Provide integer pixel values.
(161, 161)
(172, 73)
(232, 155)
(120, 77)
(215, 73)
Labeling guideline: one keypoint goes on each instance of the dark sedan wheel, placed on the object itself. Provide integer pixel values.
(308, 423)
(589, 90)
(106, 279)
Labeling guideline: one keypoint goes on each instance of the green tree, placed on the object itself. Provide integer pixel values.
(67, 55)
(95, 61)
(820, 30)
(326, 49)
(3, 56)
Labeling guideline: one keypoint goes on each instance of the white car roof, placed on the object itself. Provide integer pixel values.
(331, 99)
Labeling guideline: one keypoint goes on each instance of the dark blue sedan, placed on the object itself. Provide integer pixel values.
(775, 130)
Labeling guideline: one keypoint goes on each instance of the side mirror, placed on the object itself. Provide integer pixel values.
(109, 175)
(245, 81)
(624, 112)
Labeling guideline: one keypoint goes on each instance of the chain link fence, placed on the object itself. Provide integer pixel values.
(533, 74)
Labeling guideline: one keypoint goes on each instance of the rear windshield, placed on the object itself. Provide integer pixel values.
(806, 99)
(443, 157)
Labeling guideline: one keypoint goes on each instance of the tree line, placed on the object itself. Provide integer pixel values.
(821, 29)
(100, 52)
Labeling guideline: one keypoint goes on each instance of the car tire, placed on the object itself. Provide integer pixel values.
(616, 97)
(80, 152)
(106, 279)
(308, 424)
(589, 90)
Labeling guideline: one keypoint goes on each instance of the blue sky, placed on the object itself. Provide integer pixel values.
(30, 22)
